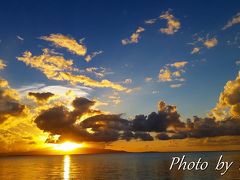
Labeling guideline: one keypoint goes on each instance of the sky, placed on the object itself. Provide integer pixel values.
(111, 61)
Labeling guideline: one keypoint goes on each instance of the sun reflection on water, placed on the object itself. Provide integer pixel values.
(67, 161)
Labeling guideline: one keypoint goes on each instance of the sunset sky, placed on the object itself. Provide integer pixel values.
(92, 73)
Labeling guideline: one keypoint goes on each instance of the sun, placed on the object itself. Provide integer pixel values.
(67, 146)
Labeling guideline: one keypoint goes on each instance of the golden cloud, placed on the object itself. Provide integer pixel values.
(49, 63)
(2, 64)
(229, 101)
(173, 25)
(56, 67)
(134, 37)
(74, 79)
(210, 43)
(3, 83)
(167, 75)
(179, 64)
(9, 102)
(69, 43)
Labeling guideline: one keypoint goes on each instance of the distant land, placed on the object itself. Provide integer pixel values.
(47, 152)
(94, 151)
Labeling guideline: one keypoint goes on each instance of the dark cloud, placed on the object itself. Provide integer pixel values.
(9, 106)
(158, 122)
(56, 120)
(204, 127)
(97, 128)
(102, 121)
(41, 97)
(112, 127)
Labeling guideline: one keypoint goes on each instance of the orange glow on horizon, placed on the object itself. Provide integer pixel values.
(68, 146)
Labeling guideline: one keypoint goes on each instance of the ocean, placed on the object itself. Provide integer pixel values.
(142, 166)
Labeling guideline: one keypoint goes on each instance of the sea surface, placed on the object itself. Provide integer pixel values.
(143, 166)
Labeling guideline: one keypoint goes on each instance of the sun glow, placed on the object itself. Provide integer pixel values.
(67, 146)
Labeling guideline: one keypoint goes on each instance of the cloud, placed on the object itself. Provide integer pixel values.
(166, 124)
(150, 21)
(98, 72)
(128, 81)
(148, 79)
(115, 98)
(173, 25)
(110, 127)
(89, 57)
(202, 128)
(56, 67)
(237, 62)
(166, 74)
(202, 43)
(90, 82)
(66, 91)
(3, 83)
(210, 43)
(134, 37)
(20, 38)
(179, 64)
(195, 50)
(235, 20)
(41, 97)
(175, 85)
(69, 43)
(228, 104)
(96, 128)
(9, 102)
(50, 64)
(2, 64)
(82, 122)
(167, 116)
